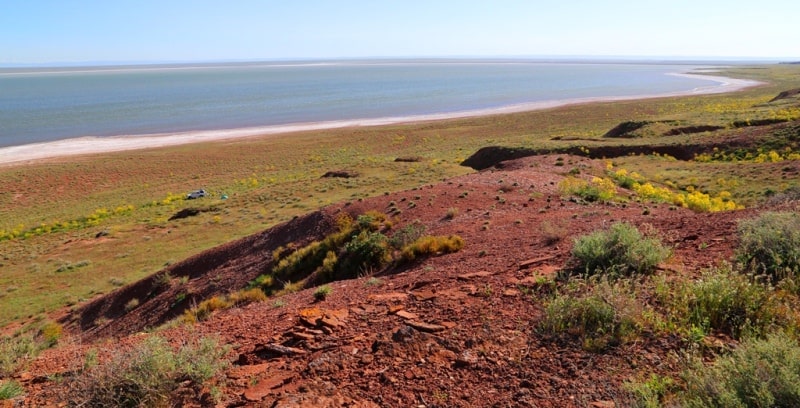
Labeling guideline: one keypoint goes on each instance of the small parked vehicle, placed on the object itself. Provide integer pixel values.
(196, 194)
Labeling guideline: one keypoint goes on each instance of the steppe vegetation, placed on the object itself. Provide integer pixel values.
(77, 228)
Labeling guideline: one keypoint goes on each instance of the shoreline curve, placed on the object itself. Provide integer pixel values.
(25, 154)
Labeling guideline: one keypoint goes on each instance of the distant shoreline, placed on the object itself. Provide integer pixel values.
(23, 154)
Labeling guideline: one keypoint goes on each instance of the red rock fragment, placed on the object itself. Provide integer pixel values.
(407, 315)
(425, 327)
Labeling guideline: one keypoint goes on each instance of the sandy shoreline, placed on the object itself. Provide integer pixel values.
(89, 145)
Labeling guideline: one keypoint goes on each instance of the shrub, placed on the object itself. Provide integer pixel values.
(620, 250)
(370, 221)
(730, 302)
(50, 332)
(759, 373)
(14, 351)
(365, 251)
(322, 292)
(608, 315)
(451, 213)
(651, 392)
(589, 318)
(407, 235)
(552, 232)
(148, 374)
(599, 189)
(264, 282)
(770, 244)
(10, 389)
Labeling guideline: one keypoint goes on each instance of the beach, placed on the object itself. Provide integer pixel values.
(18, 155)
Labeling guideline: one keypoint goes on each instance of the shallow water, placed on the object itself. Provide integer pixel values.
(41, 105)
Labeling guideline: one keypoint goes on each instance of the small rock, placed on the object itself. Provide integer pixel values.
(395, 308)
(331, 322)
(466, 358)
(448, 325)
(530, 262)
(404, 334)
(277, 349)
(407, 315)
(424, 295)
(426, 327)
(302, 336)
(468, 276)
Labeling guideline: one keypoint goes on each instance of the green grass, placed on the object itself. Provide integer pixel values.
(272, 179)
(10, 389)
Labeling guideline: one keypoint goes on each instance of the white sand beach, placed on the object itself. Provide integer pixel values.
(17, 155)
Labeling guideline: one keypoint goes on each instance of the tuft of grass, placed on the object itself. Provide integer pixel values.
(10, 389)
(621, 250)
(146, 375)
(322, 292)
(552, 232)
(451, 213)
(131, 304)
(431, 245)
(759, 373)
(208, 306)
(770, 245)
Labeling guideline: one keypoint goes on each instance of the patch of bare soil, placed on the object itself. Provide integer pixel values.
(457, 330)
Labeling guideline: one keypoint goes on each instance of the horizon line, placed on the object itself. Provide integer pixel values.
(538, 58)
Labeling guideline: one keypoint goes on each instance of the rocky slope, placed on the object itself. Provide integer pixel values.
(457, 330)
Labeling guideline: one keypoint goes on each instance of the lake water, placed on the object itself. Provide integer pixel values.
(48, 104)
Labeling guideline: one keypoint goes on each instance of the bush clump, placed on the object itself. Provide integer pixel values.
(606, 317)
(770, 245)
(621, 250)
(145, 376)
(759, 373)
(730, 302)
(358, 247)
(599, 189)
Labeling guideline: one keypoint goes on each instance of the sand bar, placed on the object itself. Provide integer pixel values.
(23, 154)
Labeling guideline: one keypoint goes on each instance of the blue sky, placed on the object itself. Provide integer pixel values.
(38, 31)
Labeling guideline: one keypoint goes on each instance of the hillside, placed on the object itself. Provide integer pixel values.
(462, 329)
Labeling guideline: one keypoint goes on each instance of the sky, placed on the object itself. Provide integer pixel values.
(141, 31)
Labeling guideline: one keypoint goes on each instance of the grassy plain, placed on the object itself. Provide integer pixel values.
(83, 226)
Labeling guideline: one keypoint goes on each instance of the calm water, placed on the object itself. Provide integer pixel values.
(51, 104)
